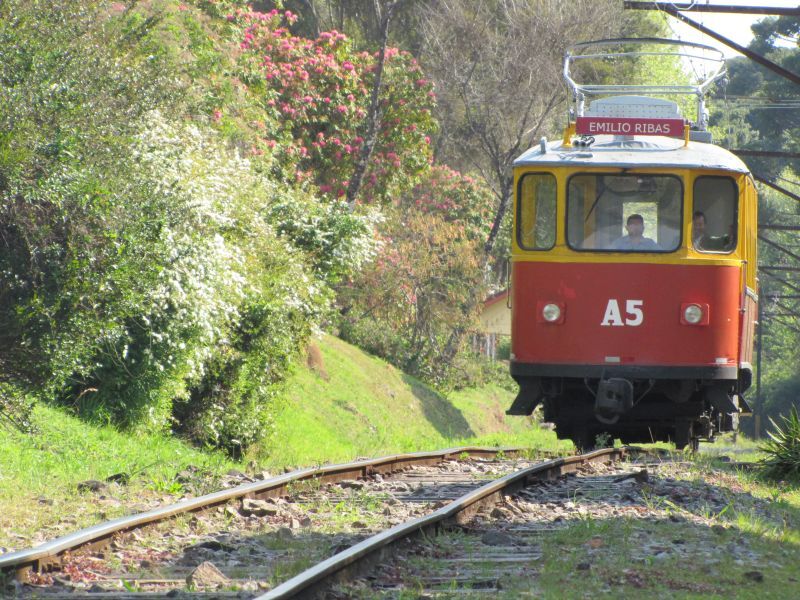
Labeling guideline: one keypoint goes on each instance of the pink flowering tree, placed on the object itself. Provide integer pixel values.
(319, 90)
(454, 198)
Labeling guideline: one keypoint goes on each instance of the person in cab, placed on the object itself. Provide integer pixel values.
(635, 239)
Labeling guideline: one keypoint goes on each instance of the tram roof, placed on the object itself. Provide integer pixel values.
(655, 151)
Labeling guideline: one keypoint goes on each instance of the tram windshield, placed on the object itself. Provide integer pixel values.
(624, 213)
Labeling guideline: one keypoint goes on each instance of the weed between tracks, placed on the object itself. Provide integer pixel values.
(690, 531)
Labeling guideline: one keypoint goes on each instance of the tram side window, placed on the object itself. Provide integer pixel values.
(714, 214)
(536, 211)
(624, 213)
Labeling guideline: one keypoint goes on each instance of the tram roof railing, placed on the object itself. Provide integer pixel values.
(627, 48)
(574, 53)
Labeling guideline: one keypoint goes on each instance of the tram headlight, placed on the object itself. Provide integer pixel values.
(693, 314)
(551, 312)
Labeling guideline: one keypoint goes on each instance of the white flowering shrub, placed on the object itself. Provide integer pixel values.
(150, 275)
(231, 304)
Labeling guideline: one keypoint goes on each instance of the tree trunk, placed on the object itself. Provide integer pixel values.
(505, 196)
(373, 117)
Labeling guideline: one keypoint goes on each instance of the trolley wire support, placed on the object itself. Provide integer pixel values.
(780, 11)
(783, 249)
(670, 9)
(779, 268)
(776, 187)
(780, 280)
(763, 153)
(615, 48)
(774, 227)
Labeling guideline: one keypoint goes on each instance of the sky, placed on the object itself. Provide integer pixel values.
(735, 27)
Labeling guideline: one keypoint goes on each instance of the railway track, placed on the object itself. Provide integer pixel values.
(256, 533)
(450, 524)
(442, 569)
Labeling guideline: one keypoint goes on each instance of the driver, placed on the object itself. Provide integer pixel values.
(635, 239)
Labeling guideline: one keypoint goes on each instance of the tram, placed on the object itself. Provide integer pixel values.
(633, 266)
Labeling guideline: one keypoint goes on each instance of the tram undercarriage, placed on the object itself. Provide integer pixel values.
(595, 411)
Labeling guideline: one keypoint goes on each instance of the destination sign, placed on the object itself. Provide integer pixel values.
(619, 126)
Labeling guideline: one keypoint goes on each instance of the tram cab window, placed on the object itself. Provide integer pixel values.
(714, 214)
(536, 211)
(624, 213)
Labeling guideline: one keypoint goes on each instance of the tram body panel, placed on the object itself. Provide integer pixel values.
(625, 314)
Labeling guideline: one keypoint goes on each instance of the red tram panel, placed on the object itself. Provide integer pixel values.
(658, 291)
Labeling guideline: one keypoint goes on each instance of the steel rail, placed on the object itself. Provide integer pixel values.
(48, 554)
(315, 580)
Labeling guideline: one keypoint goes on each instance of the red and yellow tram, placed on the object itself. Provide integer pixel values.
(633, 283)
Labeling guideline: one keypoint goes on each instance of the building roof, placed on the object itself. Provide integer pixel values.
(495, 298)
(630, 151)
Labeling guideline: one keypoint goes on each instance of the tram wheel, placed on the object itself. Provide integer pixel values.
(583, 438)
(683, 435)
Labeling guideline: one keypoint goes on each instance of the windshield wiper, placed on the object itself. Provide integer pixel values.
(596, 200)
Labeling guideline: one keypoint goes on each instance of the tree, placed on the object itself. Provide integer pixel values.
(407, 305)
(756, 94)
(324, 91)
(374, 113)
(497, 69)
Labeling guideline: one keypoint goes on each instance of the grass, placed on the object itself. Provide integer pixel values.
(741, 450)
(757, 531)
(716, 571)
(348, 406)
(39, 474)
(358, 405)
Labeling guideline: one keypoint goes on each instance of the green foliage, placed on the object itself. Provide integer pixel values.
(68, 106)
(15, 409)
(454, 198)
(415, 303)
(144, 261)
(783, 448)
(337, 241)
(756, 93)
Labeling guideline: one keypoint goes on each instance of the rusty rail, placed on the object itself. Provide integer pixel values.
(48, 555)
(316, 580)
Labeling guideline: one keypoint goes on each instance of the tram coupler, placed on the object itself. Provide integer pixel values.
(614, 398)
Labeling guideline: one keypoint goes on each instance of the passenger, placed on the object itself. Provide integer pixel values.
(710, 243)
(635, 239)
(698, 228)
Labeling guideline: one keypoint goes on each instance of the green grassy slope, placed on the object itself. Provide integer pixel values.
(353, 404)
(39, 475)
(348, 404)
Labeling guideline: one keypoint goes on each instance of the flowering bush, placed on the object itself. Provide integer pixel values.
(413, 304)
(320, 89)
(150, 275)
(455, 198)
(234, 300)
